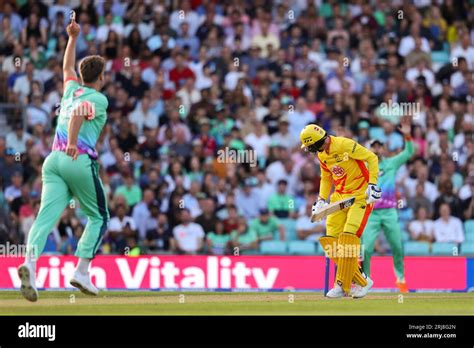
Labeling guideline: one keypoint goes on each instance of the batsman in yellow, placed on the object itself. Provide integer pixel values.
(353, 171)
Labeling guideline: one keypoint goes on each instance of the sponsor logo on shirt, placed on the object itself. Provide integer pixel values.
(78, 92)
(337, 171)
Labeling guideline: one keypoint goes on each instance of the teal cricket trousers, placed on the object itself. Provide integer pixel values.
(387, 220)
(64, 179)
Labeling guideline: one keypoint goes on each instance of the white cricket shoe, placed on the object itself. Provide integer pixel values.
(335, 292)
(83, 283)
(361, 291)
(28, 282)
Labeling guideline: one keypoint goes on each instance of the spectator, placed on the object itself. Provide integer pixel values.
(141, 212)
(36, 112)
(185, 40)
(131, 191)
(17, 139)
(421, 70)
(429, 189)
(464, 49)
(121, 227)
(28, 211)
(9, 12)
(247, 199)
(158, 239)
(281, 204)
(151, 221)
(264, 189)
(143, 117)
(467, 190)
(306, 229)
(231, 220)
(447, 228)
(448, 196)
(188, 236)
(69, 243)
(189, 95)
(338, 81)
(300, 117)
(408, 43)
(422, 228)
(181, 72)
(259, 139)
(191, 199)
(109, 25)
(14, 190)
(218, 242)
(266, 226)
(244, 238)
(191, 17)
(468, 203)
(265, 39)
(183, 85)
(151, 73)
(208, 219)
(417, 54)
(420, 201)
(10, 165)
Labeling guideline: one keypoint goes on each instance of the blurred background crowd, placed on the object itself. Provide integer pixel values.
(186, 79)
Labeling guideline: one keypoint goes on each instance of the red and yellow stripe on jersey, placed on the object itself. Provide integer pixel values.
(350, 167)
(344, 164)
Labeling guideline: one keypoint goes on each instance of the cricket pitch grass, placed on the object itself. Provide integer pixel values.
(243, 303)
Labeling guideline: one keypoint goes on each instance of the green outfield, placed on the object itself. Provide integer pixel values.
(212, 303)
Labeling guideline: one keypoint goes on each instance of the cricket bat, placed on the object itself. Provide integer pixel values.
(332, 208)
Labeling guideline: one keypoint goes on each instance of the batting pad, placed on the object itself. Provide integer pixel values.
(329, 244)
(348, 251)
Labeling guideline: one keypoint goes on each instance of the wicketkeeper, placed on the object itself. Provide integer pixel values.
(353, 170)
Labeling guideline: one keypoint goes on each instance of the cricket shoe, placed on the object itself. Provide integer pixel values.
(361, 291)
(402, 287)
(84, 284)
(28, 282)
(335, 292)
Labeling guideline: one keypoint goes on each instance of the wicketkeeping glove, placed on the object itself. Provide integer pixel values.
(373, 193)
(319, 204)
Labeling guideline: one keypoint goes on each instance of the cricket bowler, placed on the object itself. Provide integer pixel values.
(353, 170)
(71, 170)
(384, 216)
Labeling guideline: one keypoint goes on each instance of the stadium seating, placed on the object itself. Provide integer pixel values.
(467, 248)
(446, 249)
(319, 249)
(250, 252)
(405, 236)
(469, 236)
(273, 247)
(469, 226)
(405, 214)
(417, 248)
(290, 229)
(301, 247)
(469, 230)
(441, 57)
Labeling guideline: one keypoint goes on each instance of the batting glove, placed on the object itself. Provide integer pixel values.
(374, 193)
(319, 204)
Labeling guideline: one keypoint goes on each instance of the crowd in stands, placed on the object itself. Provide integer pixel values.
(188, 79)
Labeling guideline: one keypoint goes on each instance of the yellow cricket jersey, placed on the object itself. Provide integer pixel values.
(344, 164)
